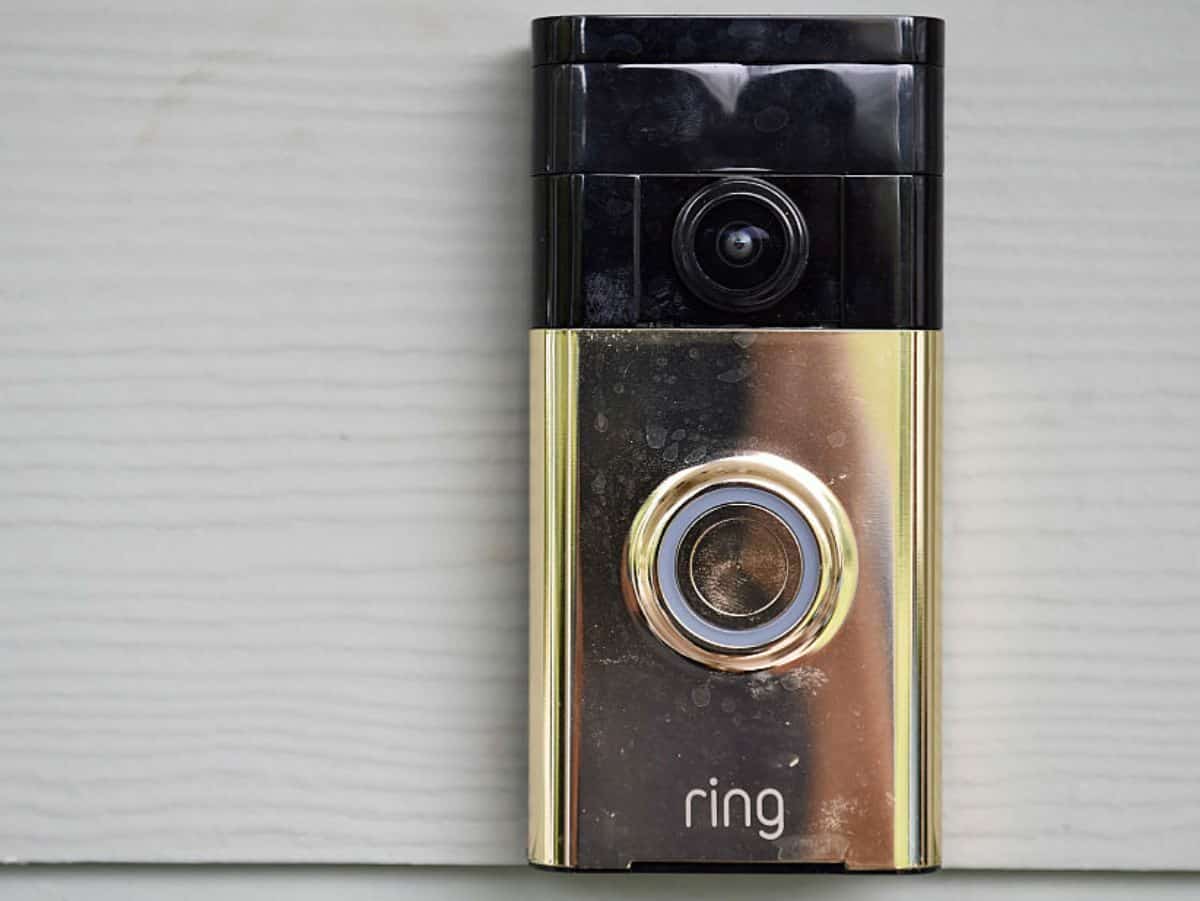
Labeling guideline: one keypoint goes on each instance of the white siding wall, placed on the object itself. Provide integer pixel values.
(263, 284)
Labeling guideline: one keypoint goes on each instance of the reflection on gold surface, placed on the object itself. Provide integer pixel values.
(881, 422)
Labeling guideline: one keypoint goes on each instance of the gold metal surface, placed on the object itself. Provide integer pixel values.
(552, 492)
(795, 485)
(629, 422)
(927, 592)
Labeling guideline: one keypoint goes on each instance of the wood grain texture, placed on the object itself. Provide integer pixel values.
(351, 883)
(262, 432)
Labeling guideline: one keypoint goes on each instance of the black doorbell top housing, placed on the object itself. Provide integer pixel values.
(833, 125)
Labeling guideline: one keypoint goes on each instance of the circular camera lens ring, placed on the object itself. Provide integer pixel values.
(835, 563)
(793, 239)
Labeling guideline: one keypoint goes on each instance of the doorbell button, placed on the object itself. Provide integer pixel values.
(748, 561)
(738, 562)
(742, 563)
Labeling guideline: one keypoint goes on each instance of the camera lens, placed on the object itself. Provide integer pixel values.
(740, 244)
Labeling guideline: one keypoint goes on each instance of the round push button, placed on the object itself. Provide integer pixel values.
(742, 563)
(738, 562)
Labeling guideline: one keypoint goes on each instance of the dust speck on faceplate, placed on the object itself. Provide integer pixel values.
(808, 679)
(744, 339)
(656, 436)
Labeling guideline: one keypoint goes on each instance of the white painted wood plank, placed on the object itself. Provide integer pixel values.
(262, 412)
(97, 883)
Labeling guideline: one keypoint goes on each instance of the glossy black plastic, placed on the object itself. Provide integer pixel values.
(737, 39)
(711, 117)
(844, 116)
(604, 254)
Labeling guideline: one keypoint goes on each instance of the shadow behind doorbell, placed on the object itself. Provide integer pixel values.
(734, 414)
